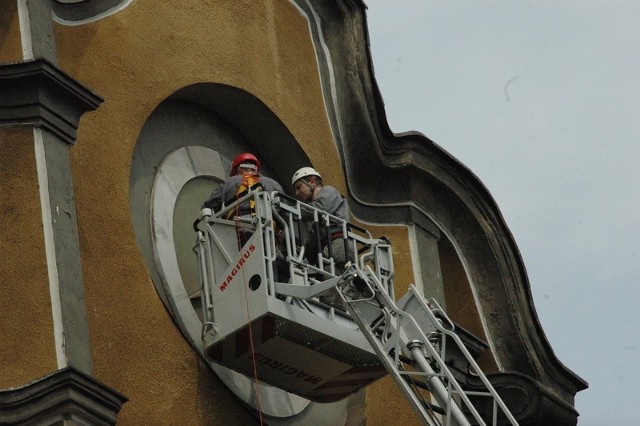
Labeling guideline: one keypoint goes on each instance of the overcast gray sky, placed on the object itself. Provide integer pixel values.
(541, 100)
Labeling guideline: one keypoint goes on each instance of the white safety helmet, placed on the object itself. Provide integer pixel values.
(303, 173)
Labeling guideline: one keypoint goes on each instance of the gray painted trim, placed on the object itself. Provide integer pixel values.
(65, 397)
(37, 93)
(65, 252)
(78, 12)
(36, 30)
(420, 177)
(49, 245)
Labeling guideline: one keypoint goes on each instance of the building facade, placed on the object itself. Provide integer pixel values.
(118, 117)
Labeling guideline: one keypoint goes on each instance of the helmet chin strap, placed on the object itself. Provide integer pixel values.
(311, 187)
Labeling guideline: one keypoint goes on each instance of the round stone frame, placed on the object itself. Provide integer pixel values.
(175, 171)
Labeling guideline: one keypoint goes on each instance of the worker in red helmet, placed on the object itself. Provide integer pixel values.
(244, 176)
(245, 162)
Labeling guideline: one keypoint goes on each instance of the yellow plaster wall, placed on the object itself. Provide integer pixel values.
(27, 349)
(461, 306)
(134, 60)
(10, 45)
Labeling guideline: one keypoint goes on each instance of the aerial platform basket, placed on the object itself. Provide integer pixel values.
(302, 346)
(262, 316)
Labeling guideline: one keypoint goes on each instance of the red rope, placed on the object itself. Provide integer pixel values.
(246, 300)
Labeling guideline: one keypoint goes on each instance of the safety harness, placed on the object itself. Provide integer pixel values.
(250, 182)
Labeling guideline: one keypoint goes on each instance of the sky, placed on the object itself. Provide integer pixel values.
(541, 101)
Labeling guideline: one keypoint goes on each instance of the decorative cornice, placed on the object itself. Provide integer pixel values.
(422, 184)
(530, 402)
(66, 396)
(37, 93)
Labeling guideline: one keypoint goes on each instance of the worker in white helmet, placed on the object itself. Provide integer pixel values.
(308, 187)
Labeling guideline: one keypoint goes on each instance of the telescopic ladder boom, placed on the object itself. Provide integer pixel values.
(410, 337)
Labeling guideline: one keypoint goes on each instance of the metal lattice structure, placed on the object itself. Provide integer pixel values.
(264, 297)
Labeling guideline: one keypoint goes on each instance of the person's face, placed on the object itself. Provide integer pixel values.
(244, 170)
(302, 190)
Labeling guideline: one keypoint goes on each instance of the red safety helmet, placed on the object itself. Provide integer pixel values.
(245, 157)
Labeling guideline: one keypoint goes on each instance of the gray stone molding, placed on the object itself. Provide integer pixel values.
(36, 29)
(65, 397)
(37, 93)
(407, 178)
(84, 10)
